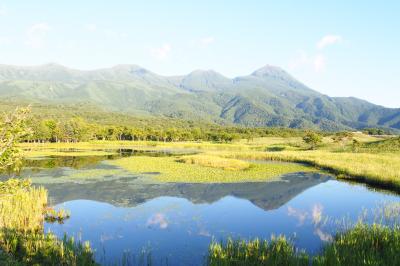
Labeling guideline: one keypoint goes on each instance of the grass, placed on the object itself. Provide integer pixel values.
(22, 240)
(277, 252)
(21, 206)
(362, 245)
(170, 169)
(215, 162)
(377, 169)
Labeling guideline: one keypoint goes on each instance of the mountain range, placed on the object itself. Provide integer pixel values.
(267, 97)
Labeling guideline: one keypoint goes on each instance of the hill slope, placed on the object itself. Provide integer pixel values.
(267, 97)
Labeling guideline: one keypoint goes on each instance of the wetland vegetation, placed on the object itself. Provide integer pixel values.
(184, 168)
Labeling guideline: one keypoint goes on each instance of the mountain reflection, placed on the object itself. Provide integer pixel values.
(124, 193)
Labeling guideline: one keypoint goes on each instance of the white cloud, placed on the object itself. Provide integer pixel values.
(329, 40)
(316, 62)
(37, 34)
(90, 27)
(207, 40)
(161, 52)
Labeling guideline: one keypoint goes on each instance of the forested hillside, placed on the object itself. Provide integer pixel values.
(267, 97)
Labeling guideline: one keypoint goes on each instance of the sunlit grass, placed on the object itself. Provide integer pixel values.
(276, 252)
(381, 168)
(22, 240)
(215, 162)
(362, 245)
(21, 205)
(169, 169)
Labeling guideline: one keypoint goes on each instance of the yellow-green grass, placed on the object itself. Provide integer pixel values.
(22, 240)
(49, 152)
(215, 162)
(169, 169)
(364, 244)
(380, 169)
(21, 205)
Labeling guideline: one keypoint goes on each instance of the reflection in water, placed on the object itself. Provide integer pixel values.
(300, 215)
(128, 192)
(158, 220)
(317, 213)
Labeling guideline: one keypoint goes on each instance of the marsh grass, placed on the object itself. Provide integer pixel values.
(363, 244)
(278, 251)
(169, 169)
(374, 244)
(21, 205)
(215, 162)
(52, 215)
(380, 169)
(22, 240)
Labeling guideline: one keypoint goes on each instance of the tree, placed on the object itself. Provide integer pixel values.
(313, 139)
(12, 129)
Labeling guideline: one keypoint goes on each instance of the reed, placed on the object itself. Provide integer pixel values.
(364, 244)
(22, 240)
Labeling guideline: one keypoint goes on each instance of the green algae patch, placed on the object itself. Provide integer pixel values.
(172, 169)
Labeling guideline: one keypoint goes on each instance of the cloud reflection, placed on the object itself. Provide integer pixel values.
(298, 214)
(157, 220)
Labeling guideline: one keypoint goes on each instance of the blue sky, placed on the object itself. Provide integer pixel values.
(340, 48)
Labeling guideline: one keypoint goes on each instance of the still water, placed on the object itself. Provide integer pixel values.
(173, 224)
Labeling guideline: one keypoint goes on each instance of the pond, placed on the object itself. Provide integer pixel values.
(173, 223)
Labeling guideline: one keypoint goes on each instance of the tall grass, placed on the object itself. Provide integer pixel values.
(22, 240)
(362, 245)
(21, 205)
(276, 252)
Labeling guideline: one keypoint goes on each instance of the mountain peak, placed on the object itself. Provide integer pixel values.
(269, 70)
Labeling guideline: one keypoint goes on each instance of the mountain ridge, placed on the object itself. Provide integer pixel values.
(269, 96)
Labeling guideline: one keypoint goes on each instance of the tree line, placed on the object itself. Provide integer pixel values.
(77, 129)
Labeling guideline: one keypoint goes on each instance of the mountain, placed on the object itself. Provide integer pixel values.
(267, 97)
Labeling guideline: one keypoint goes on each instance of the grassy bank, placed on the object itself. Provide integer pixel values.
(362, 245)
(377, 169)
(22, 237)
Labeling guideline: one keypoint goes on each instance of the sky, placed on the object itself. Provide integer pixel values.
(339, 48)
